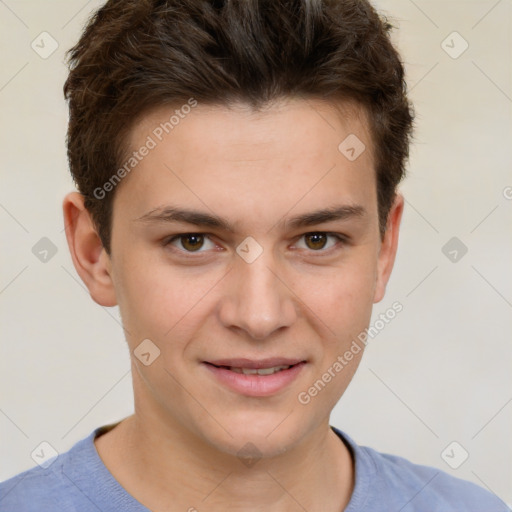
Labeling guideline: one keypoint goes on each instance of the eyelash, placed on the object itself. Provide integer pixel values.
(341, 240)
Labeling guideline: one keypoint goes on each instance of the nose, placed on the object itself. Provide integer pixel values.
(259, 301)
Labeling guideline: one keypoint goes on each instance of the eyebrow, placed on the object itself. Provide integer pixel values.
(198, 218)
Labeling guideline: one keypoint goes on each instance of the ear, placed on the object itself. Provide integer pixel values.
(90, 259)
(389, 244)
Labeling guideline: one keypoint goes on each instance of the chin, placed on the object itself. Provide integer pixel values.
(267, 434)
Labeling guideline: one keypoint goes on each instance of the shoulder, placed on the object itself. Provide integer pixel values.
(62, 483)
(73, 481)
(37, 489)
(429, 486)
(384, 481)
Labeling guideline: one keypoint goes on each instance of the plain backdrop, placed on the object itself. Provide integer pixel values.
(439, 372)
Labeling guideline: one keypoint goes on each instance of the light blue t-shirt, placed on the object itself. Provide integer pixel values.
(78, 481)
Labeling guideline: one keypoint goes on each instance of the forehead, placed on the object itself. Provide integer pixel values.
(316, 123)
(223, 158)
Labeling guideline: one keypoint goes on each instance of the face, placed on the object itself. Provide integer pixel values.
(246, 248)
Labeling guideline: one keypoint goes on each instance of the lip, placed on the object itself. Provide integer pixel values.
(269, 362)
(255, 385)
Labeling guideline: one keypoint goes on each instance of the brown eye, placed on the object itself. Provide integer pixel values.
(192, 242)
(189, 242)
(319, 241)
(316, 241)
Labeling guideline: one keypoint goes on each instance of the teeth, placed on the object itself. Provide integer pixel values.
(259, 371)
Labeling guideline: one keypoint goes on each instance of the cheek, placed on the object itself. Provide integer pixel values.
(344, 307)
(342, 297)
(159, 301)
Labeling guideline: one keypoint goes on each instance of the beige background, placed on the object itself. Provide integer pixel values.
(439, 372)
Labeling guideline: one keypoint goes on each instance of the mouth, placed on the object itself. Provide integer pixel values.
(257, 371)
(256, 377)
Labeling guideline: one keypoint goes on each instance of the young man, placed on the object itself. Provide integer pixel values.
(237, 165)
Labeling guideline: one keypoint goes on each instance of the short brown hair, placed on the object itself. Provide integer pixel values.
(135, 55)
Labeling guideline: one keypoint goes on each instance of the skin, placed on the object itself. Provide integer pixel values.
(299, 298)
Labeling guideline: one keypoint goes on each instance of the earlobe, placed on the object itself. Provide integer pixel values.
(90, 259)
(387, 254)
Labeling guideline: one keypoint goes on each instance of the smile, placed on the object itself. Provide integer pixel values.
(255, 378)
(260, 371)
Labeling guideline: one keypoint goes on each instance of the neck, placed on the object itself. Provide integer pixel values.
(160, 465)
